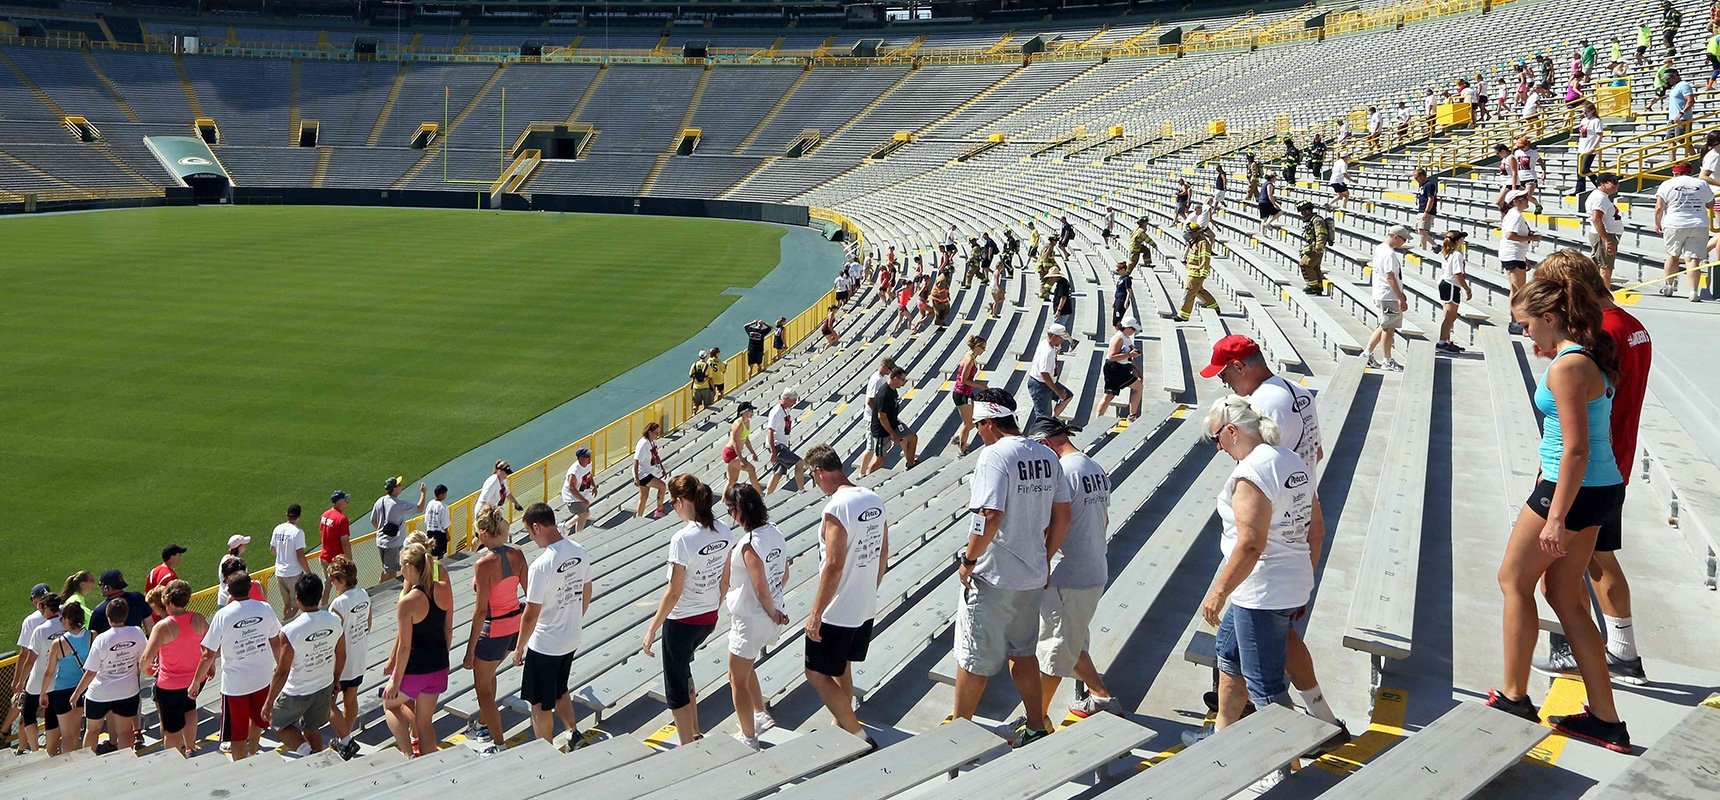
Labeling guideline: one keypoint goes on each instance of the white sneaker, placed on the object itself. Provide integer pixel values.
(750, 741)
(1391, 366)
(304, 750)
(1370, 361)
(762, 722)
(1270, 780)
(1093, 704)
(1192, 738)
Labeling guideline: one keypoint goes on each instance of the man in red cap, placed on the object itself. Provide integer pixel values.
(1238, 362)
(1681, 218)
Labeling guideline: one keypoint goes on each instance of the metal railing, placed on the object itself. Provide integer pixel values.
(1475, 146)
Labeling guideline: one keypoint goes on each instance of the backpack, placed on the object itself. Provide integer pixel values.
(698, 371)
(1328, 231)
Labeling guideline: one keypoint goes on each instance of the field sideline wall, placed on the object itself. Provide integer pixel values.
(539, 481)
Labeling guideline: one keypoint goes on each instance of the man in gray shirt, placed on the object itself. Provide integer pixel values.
(388, 516)
(1078, 574)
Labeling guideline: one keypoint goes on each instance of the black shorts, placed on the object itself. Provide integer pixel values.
(1118, 376)
(495, 648)
(352, 683)
(1340, 188)
(438, 543)
(30, 709)
(1514, 264)
(961, 399)
(837, 647)
(680, 641)
(95, 709)
(1450, 292)
(172, 705)
(646, 481)
(841, 297)
(60, 702)
(544, 680)
(1267, 209)
(1611, 537)
(755, 357)
(1594, 505)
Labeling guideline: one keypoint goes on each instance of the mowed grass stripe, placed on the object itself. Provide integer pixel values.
(183, 374)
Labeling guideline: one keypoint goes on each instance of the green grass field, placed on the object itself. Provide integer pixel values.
(183, 374)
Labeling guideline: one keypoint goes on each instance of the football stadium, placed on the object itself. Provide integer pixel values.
(844, 399)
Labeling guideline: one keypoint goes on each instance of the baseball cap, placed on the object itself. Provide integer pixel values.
(1042, 427)
(1056, 329)
(583, 451)
(112, 579)
(1234, 347)
(1130, 322)
(744, 407)
(505, 467)
(339, 495)
(238, 538)
(171, 551)
(39, 591)
(1401, 231)
(398, 480)
(1681, 168)
(1515, 194)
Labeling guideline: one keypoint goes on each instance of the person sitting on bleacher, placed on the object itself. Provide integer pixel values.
(1266, 508)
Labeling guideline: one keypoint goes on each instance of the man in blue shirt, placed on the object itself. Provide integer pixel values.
(1680, 110)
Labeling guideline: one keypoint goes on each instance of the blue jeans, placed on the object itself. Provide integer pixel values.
(1252, 643)
(1044, 400)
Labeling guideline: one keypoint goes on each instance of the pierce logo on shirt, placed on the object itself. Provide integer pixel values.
(248, 622)
(318, 635)
(1301, 403)
(118, 646)
(359, 609)
(871, 514)
(775, 554)
(569, 564)
(1295, 480)
(713, 547)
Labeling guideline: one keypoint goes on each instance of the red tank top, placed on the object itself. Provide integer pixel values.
(178, 658)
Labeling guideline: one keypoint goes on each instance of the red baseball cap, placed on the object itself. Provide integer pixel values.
(1234, 347)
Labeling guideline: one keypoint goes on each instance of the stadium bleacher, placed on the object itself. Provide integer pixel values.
(1397, 581)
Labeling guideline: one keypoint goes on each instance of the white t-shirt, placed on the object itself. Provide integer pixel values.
(113, 658)
(1292, 408)
(642, 455)
(556, 581)
(703, 552)
(842, 282)
(1387, 261)
(1023, 479)
(492, 492)
(1509, 250)
(767, 541)
(42, 639)
(578, 475)
(1284, 576)
(1711, 163)
(436, 516)
(240, 632)
(1687, 201)
(313, 636)
(1429, 104)
(1454, 265)
(1373, 122)
(353, 608)
(29, 627)
(1080, 563)
(861, 513)
(1340, 171)
(1044, 362)
(1602, 202)
(778, 421)
(1470, 94)
(1589, 134)
(286, 540)
(1527, 161)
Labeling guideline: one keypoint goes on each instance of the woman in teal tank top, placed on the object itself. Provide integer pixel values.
(1579, 489)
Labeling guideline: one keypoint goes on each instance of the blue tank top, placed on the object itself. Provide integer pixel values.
(1602, 468)
(70, 670)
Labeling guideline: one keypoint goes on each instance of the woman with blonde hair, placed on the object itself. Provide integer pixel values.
(498, 580)
(1266, 507)
(966, 382)
(740, 438)
(687, 613)
(1580, 489)
(420, 655)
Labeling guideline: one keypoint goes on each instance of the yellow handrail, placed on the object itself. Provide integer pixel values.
(1477, 145)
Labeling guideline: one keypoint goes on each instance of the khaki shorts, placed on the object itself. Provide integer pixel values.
(1598, 251)
(995, 624)
(1689, 242)
(307, 712)
(1391, 314)
(1065, 616)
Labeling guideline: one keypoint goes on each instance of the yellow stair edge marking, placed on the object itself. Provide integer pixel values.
(1384, 729)
(1565, 697)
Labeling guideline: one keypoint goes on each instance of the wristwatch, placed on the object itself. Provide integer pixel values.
(963, 560)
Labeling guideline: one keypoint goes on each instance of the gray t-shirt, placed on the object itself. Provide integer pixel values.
(387, 510)
(1021, 478)
(1080, 563)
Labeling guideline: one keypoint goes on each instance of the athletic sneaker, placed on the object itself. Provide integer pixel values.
(1337, 740)
(750, 741)
(1025, 736)
(1390, 365)
(1370, 362)
(1560, 662)
(1447, 347)
(1590, 728)
(580, 739)
(476, 729)
(762, 722)
(1524, 708)
(1093, 704)
(489, 750)
(1211, 699)
(348, 750)
(1194, 737)
(1270, 780)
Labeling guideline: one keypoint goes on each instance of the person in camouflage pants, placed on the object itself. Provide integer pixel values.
(976, 259)
(1140, 246)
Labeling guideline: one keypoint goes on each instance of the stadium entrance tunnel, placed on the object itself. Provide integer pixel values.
(193, 165)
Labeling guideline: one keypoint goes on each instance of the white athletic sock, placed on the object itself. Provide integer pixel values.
(1621, 637)
(1315, 701)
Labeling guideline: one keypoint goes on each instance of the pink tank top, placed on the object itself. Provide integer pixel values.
(964, 378)
(503, 617)
(178, 658)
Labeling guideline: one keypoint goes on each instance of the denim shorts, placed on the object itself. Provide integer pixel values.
(1252, 643)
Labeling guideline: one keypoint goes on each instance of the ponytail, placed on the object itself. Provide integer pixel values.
(687, 487)
(1578, 306)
